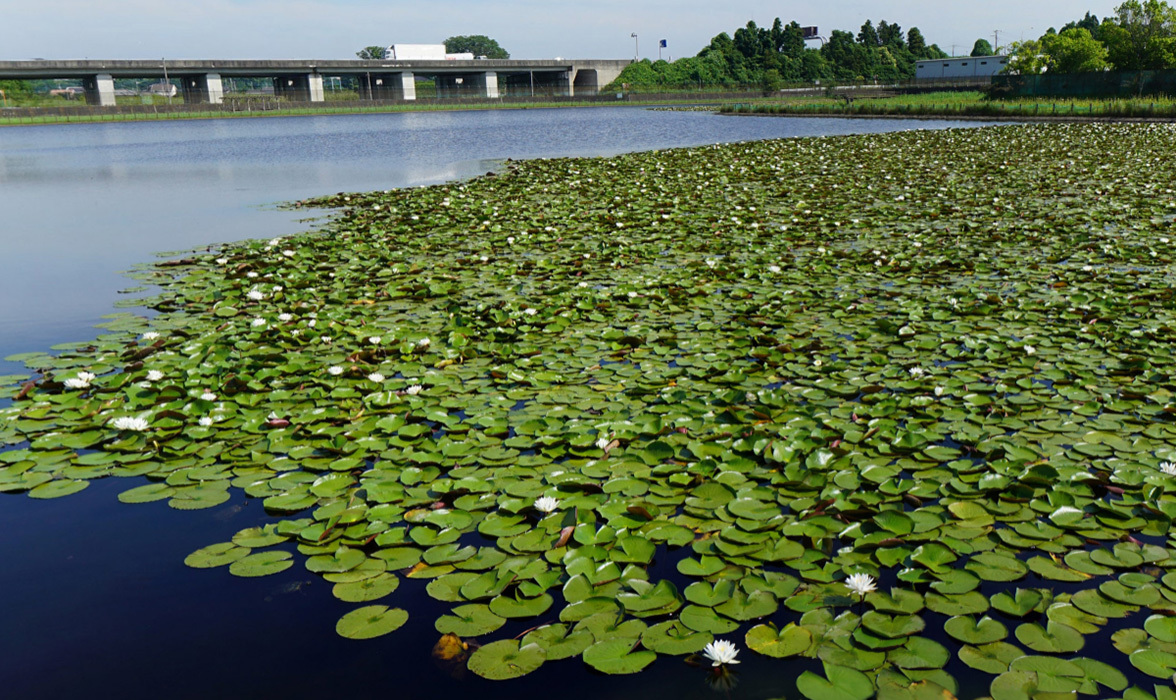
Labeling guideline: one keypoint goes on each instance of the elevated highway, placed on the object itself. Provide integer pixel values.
(202, 81)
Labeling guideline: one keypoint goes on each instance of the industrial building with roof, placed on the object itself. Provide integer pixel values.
(960, 68)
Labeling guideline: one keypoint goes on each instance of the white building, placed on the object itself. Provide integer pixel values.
(959, 68)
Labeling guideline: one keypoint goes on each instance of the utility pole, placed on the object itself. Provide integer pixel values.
(996, 46)
(636, 47)
(166, 82)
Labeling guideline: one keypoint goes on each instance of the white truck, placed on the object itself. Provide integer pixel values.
(423, 52)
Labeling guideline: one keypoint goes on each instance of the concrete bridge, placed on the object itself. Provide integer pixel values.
(302, 81)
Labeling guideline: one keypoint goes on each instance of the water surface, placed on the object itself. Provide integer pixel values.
(96, 599)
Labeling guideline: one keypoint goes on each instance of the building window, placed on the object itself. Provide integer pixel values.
(984, 63)
(964, 63)
(947, 65)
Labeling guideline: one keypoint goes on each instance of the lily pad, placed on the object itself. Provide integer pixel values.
(370, 622)
(506, 659)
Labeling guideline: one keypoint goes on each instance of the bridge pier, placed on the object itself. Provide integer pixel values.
(99, 90)
(307, 87)
(486, 84)
(387, 86)
(203, 89)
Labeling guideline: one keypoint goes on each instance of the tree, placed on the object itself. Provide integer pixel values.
(1026, 58)
(889, 34)
(772, 81)
(371, 53)
(868, 36)
(1074, 51)
(792, 43)
(15, 91)
(916, 44)
(1141, 35)
(478, 45)
(982, 48)
(1090, 23)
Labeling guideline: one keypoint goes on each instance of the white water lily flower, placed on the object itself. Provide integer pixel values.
(1168, 468)
(334, 370)
(154, 375)
(376, 377)
(861, 584)
(208, 396)
(917, 371)
(81, 381)
(1068, 510)
(255, 295)
(414, 389)
(939, 391)
(530, 312)
(132, 423)
(1030, 350)
(546, 504)
(424, 343)
(257, 322)
(251, 275)
(721, 652)
(375, 340)
(285, 318)
(221, 261)
(603, 442)
(774, 269)
(150, 335)
(205, 421)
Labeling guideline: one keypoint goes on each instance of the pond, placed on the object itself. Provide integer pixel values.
(98, 593)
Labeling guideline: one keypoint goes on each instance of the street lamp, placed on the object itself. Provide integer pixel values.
(636, 47)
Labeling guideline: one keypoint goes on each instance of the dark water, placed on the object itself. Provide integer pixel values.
(94, 598)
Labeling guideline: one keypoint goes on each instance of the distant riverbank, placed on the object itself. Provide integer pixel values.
(131, 113)
(966, 105)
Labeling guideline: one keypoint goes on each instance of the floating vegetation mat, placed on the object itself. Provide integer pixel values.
(900, 403)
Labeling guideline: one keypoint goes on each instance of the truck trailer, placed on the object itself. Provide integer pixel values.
(423, 52)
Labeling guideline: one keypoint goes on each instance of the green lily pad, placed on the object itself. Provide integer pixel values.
(506, 659)
(147, 493)
(776, 643)
(370, 622)
(919, 653)
(972, 631)
(617, 656)
(366, 590)
(839, 683)
(215, 555)
(1155, 663)
(469, 621)
(1054, 638)
(675, 639)
(261, 564)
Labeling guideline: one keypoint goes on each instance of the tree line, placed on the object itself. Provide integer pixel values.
(779, 55)
(1139, 36)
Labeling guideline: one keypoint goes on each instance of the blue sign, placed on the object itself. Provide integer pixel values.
(663, 43)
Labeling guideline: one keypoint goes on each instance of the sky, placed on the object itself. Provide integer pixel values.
(529, 29)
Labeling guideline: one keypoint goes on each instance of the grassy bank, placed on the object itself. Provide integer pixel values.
(148, 113)
(962, 104)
